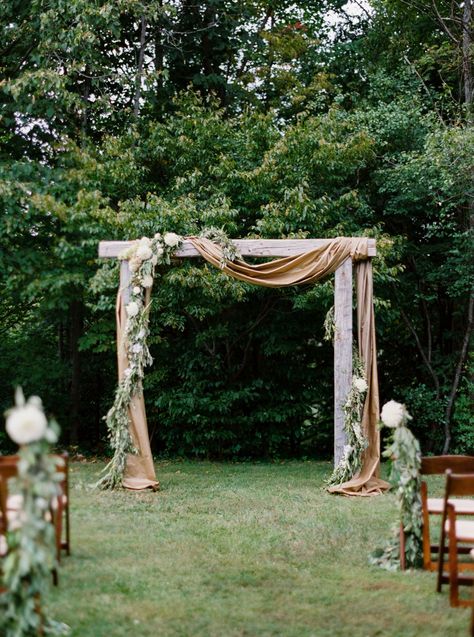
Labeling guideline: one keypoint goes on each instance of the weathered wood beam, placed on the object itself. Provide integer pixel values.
(247, 247)
(342, 352)
(125, 279)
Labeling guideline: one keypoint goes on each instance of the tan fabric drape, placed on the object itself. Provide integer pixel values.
(139, 471)
(368, 481)
(309, 267)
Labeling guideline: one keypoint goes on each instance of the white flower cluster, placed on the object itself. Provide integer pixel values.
(26, 422)
(360, 384)
(394, 414)
(143, 257)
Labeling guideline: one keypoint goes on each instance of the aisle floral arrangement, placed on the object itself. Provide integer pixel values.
(403, 452)
(31, 552)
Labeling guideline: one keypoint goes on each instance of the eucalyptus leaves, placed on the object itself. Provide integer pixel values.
(403, 450)
(31, 541)
(143, 257)
(351, 461)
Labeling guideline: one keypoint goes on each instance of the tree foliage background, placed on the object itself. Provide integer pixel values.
(268, 119)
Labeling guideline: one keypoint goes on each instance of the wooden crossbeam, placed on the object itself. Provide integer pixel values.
(247, 247)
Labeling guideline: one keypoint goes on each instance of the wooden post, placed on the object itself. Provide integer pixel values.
(342, 352)
(125, 278)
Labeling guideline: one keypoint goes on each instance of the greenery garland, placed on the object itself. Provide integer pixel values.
(403, 451)
(143, 256)
(351, 461)
(31, 545)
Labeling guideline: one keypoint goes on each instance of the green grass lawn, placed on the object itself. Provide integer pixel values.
(227, 550)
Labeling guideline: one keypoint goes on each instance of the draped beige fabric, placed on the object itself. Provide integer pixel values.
(294, 270)
(139, 471)
(309, 267)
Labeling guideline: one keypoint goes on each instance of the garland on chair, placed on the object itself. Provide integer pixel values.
(403, 451)
(31, 554)
(144, 256)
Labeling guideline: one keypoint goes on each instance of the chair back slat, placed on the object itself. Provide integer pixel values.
(459, 484)
(434, 465)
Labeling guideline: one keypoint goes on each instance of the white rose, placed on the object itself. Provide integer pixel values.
(136, 348)
(141, 333)
(26, 424)
(132, 309)
(137, 290)
(127, 372)
(171, 239)
(147, 281)
(154, 259)
(158, 236)
(394, 414)
(143, 252)
(360, 384)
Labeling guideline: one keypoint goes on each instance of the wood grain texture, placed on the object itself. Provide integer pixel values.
(342, 352)
(247, 247)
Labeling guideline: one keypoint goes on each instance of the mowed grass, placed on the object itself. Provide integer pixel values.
(233, 550)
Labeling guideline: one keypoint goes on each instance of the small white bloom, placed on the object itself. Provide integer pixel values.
(147, 281)
(171, 239)
(26, 424)
(394, 414)
(158, 236)
(360, 384)
(154, 259)
(141, 334)
(347, 450)
(145, 241)
(136, 348)
(144, 252)
(127, 372)
(132, 309)
(159, 251)
(137, 289)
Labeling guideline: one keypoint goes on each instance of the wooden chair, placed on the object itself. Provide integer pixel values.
(3, 526)
(438, 465)
(63, 541)
(472, 614)
(59, 507)
(459, 533)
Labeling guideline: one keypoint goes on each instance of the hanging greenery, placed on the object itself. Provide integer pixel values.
(351, 461)
(31, 554)
(403, 451)
(144, 256)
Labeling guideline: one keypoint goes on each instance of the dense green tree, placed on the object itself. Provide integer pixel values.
(266, 119)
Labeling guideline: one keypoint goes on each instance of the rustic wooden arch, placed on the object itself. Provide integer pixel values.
(343, 340)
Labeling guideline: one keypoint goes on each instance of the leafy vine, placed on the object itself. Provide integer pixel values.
(403, 451)
(31, 554)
